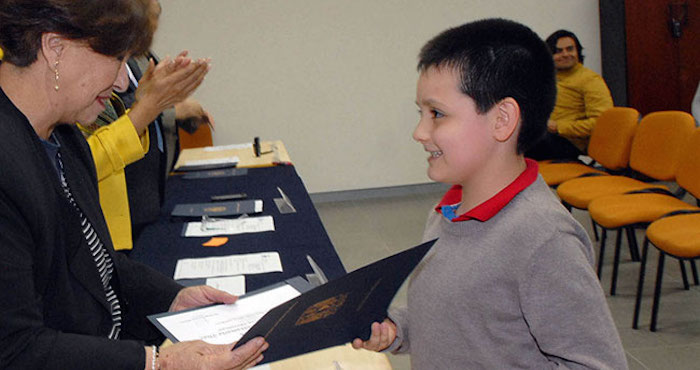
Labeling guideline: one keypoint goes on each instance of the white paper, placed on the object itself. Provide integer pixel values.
(231, 284)
(202, 162)
(254, 263)
(230, 226)
(261, 367)
(222, 324)
(228, 147)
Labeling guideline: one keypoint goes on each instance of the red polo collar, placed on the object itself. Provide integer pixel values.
(489, 208)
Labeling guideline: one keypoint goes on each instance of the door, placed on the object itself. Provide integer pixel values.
(663, 53)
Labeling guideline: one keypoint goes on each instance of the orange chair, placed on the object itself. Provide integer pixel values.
(656, 146)
(639, 208)
(609, 146)
(200, 138)
(677, 236)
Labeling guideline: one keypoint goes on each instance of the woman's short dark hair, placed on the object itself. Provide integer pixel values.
(109, 27)
(554, 37)
(496, 59)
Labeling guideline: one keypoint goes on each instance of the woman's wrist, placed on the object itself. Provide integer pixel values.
(141, 115)
(152, 358)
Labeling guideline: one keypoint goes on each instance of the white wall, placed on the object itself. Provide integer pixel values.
(335, 79)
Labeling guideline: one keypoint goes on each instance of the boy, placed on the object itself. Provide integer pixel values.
(509, 283)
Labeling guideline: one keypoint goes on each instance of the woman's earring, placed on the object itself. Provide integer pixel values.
(55, 69)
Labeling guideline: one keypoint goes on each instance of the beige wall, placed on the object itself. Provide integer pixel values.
(335, 79)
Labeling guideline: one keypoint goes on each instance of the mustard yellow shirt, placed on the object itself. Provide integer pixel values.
(582, 96)
(114, 147)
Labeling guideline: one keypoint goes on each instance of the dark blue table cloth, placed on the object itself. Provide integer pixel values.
(161, 245)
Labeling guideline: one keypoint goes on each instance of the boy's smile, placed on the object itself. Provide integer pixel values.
(457, 137)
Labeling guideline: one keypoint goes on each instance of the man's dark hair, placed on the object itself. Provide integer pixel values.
(110, 27)
(553, 38)
(496, 59)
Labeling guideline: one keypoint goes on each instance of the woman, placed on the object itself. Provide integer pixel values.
(67, 300)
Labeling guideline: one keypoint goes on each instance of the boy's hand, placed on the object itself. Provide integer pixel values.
(552, 126)
(381, 338)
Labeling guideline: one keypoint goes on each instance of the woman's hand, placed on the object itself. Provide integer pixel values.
(198, 296)
(381, 338)
(195, 355)
(164, 85)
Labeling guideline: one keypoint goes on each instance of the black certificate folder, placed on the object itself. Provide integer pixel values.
(218, 209)
(336, 312)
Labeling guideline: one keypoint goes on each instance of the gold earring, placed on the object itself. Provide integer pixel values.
(55, 69)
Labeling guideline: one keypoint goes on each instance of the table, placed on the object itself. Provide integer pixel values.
(272, 151)
(296, 235)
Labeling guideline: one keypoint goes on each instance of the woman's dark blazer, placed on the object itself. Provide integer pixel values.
(53, 310)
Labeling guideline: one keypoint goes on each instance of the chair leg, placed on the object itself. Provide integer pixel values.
(632, 242)
(694, 268)
(657, 290)
(640, 284)
(601, 254)
(595, 229)
(616, 262)
(684, 274)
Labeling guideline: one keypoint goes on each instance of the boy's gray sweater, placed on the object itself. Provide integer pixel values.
(515, 292)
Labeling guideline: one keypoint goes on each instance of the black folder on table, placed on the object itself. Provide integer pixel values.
(203, 167)
(217, 209)
(336, 312)
(226, 172)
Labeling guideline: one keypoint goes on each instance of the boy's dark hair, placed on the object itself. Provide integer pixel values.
(110, 27)
(496, 59)
(553, 38)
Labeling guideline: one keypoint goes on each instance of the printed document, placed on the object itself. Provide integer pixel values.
(222, 324)
(225, 226)
(227, 147)
(231, 284)
(242, 264)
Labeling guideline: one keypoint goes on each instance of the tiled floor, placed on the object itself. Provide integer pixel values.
(364, 231)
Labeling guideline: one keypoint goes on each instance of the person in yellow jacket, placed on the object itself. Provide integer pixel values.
(582, 96)
(114, 145)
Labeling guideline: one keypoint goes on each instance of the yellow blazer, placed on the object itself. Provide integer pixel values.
(114, 147)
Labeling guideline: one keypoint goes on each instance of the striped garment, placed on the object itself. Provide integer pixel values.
(103, 261)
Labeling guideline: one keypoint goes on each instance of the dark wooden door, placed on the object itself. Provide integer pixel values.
(663, 53)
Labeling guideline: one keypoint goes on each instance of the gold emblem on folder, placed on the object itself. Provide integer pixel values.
(321, 310)
(215, 209)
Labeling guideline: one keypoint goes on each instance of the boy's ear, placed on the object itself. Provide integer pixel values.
(507, 119)
(52, 45)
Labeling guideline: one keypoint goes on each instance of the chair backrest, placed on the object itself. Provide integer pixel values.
(658, 143)
(688, 170)
(200, 138)
(611, 139)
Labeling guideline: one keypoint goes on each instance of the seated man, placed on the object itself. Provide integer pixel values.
(582, 96)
